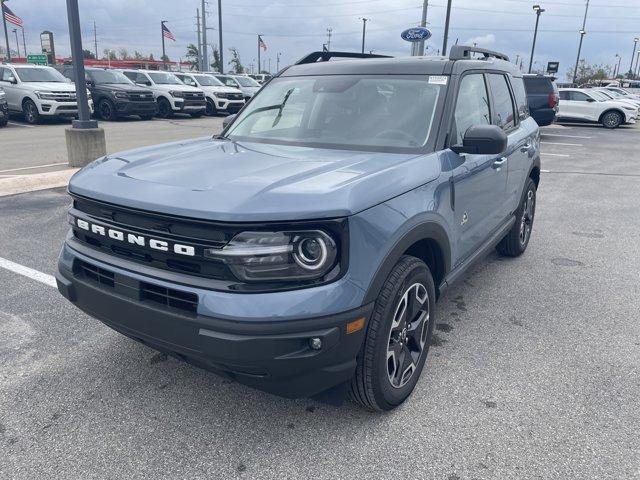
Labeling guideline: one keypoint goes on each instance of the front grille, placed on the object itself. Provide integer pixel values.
(63, 96)
(141, 97)
(141, 291)
(193, 96)
(235, 96)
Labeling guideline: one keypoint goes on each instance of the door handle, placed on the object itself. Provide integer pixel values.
(525, 148)
(497, 164)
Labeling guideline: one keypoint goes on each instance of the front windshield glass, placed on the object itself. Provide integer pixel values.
(247, 82)
(40, 75)
(599, 96)
(208, 81)
(383, 113)
(606, 94)
(162, 78)
(109, 76)
(228, 81)
(614, 94)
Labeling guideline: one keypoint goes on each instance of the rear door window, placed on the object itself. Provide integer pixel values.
(502, 102)
(578, 97)
(521, 97)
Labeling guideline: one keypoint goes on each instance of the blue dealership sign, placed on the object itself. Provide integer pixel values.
(416, 34)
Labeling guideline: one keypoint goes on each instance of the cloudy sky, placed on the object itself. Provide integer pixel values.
(295, 27)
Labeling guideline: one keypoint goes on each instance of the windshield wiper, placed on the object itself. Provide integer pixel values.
(284, 101)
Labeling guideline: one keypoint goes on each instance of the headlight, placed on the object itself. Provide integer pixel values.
(45, 95)
(177, 94)
(121, 95)
(278, 256)
(221, 95)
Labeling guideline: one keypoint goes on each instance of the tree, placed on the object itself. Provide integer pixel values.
(151, 57)
(109, 54)
(216, 65)
(88, 54)
(193, 56)
(590, 73)
(137, 55)
(235, 61)
(124, 54)
(164, 58)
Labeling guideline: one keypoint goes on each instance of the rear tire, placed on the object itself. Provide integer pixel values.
(612, 120)
(398, 336)
(30, 112)
(515, 242)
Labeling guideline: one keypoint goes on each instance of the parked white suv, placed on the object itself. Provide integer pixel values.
(172, 95)
(581, 105)
(39, 92)
(220, 99)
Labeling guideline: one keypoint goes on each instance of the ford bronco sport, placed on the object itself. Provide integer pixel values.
(302, 251)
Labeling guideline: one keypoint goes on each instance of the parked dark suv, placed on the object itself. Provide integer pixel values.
(542, 97)
(114, 95)
(302, 251)
(4, 109)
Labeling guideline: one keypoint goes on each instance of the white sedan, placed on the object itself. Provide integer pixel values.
(581, 105)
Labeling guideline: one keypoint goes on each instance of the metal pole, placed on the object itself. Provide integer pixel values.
(200, 59)
(205, 53)
(220, 36)
(15, 31)
(84, 115)
(164, 54)
(423, 23)
(635, 44)
(535, 35)
(582, 34)
(259, 64)
(638, 64)
(95, 39)
(446, 28)
(24, 42)
(278, 61)
(6, 32)
(364, 31)
(329, 30)
(619, 61)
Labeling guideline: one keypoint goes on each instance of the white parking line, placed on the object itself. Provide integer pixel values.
(555, 154)
(563, 144)
(21, 125)
(560, 135)
(28, 272)
(31, 168)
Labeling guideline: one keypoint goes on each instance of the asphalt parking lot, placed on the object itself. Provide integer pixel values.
(534, 371)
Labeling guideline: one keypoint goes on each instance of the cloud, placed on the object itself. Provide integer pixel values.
(483, 41)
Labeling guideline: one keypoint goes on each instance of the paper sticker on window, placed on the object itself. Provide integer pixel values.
(438, 80)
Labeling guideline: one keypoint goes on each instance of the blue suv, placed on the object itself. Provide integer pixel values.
(303, 250)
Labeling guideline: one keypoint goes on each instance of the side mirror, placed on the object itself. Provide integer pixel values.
(13, 80)
(483, 140)
(228, 119)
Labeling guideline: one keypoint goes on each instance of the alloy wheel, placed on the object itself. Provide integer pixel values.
(408, 335)
(526, 221)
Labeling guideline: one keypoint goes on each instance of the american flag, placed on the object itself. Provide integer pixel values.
(261, 43)
(166, 33)
(11, 17)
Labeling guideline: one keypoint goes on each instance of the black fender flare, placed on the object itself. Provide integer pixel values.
(429, 230)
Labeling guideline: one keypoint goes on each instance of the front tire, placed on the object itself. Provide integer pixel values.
(164, 108)
(612, 120)
(515, 242)
(211, 109)
(30, 112)
(398, 337)
(107, 110)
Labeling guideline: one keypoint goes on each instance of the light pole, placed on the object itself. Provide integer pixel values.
(6, 32)
(638, 64)
(423, 23)
(15, 31)
(364, 31)
(635, 44)
(616, 70)
(277, 62)
(538, 9)
(446, 28)
(575, 70)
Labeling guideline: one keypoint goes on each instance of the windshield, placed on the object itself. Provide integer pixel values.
(358, 112)
(599, 95)
(162, 78)
(208, 81)
(247, 82)
(613, 94)
(40, 75)
(108, 76)
(228, 81)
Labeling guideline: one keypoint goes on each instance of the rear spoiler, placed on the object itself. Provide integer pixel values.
(326, 56)
(461, 52)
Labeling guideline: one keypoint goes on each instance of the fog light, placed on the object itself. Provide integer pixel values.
(315, 343)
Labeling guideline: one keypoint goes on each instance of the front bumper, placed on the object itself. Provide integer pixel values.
(189, 106)
(52, 108)
(225, 105)
(270, 354)
(136, 108)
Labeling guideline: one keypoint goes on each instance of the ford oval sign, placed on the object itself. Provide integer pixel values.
(416, 34)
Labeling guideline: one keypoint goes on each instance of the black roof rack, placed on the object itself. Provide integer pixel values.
(326, 56)
(460, 52)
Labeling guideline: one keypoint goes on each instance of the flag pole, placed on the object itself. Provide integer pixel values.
(164, 54)
(6, 34)
(24, 42)
(259, 55)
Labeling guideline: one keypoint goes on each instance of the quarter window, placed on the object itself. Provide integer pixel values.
(521, 97)
(472, 106)
(502, 101)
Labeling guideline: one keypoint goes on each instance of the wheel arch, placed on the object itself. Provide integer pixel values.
(427, 241)
(612, 109)
(534, 171)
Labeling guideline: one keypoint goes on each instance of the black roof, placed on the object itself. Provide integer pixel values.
(459, 61)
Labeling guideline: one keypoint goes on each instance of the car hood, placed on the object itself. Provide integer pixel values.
(237, 181)
(176, 88)
(51, 86)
